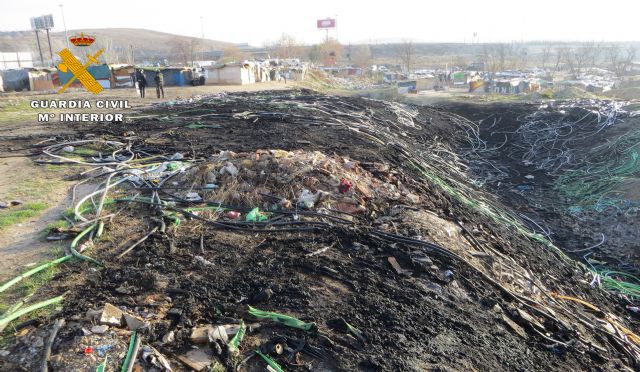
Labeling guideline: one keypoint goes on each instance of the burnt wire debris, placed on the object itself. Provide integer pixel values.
(296, 230)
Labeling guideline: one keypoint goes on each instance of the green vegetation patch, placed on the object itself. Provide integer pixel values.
(16, 215)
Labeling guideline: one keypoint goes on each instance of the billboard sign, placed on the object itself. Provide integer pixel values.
(44, 22)
(326, 23)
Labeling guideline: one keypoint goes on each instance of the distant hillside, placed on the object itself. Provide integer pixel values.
(147, 45)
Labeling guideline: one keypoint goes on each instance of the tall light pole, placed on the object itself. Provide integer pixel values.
(202, 40)
(66, 37)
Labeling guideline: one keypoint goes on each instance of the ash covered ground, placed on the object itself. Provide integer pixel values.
(391, 233)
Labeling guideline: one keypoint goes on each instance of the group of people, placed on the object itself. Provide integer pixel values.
(142, 83)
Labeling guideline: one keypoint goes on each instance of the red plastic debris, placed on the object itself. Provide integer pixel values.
(88, 350)
(345, 185)
(233, 215)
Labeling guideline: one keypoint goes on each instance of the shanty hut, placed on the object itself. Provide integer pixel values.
(230, 74)
(122, 76)
(172, 76)
(101, 73)
(15, 80)
(41, 79)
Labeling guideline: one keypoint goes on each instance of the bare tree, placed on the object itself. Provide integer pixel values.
(129, 56)
(518, 56)
(406, 53)
(233, 54)
(184, 50)
(362, 56)
(595, 52)
(110, 54)
(285, 47)
(620, 60)
(315, 53)
(581, 57)
(560, 53)
(547, 49)
(576, 58)
(490, 61)
(330, 51)
(496, 57)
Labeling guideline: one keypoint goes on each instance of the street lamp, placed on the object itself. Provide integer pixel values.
(66, 37)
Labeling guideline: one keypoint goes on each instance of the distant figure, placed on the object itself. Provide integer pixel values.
(159, 79)
(142, 82)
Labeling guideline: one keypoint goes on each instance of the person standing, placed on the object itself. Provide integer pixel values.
(159, 79)
(142, 82)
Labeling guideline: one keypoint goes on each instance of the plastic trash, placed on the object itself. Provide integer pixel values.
(345, 185)
(234, 215)
(68, 149)
(307, 199)
(193, 197)
(176, 156)
(173, 166)
(229, 169)
(226, 155)
(256, 216)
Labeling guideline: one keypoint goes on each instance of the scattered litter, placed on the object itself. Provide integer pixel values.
(256, 216)
(154, 357)
(204, 261)
(99, 329)
(289, 321)
(307, 199)
(345, 185)
(111, 315)
(272, 363)
(103, 349)
(234, 344)
(229, 169)
(193, 197)
(198, 360)
(133, 322)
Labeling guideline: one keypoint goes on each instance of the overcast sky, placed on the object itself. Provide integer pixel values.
(258, 21)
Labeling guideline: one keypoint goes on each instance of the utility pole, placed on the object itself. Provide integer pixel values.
(66, 36)
(39, 48)
(50, 51)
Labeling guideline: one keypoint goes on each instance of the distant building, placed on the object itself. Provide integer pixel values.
(15, 60)
(238, 73)
(476, 66)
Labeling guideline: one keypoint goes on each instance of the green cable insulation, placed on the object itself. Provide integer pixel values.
(75, 241)
(16, 306)
(100, 229)
(132, 342)
(91, 207)
(28, 309)
(270, 362)
(60, 260)
(609, 283)
(35, 270)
